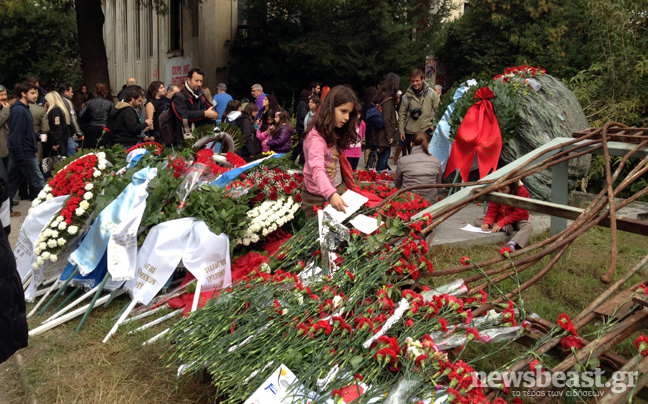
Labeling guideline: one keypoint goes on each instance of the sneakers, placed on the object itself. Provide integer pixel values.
(512, 245)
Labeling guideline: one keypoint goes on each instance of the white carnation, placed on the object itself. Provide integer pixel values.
(61, 242)
(73, 230)
(60, 218)
(42, 194)
(53, 225)
(35, 265)
(246, 241)
(48, 197)
(52, 243)
(84, 205)
(265, 232)
(53, 257)
(87, 196)
(45, 255)
(101, 155)
(47, 232)
(36, 202)
(39, 261)
(54, 234)
(42, 246)
(89, 187)
(62, 226)
(79, 211)
(37, 251)
(96, 174)
(47, 188)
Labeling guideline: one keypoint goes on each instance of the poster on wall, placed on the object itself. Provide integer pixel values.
(176, 70)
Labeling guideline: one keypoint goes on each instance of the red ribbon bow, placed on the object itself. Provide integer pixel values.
(479, 132)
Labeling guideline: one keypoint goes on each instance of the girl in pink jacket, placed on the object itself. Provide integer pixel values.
(330, 132)
(264, 133)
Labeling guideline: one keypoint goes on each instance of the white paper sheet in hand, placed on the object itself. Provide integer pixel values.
(365, 224)
(474, 229)
(355, 202)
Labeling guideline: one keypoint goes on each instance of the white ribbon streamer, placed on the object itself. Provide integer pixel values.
(403, 306)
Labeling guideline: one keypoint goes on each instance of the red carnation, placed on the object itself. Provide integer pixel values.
(465, 261)
(571, 342)
(641, 344)
(565, 323)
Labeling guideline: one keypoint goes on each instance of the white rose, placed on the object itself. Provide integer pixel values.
(52, 243)
(84, 205)
(87, 196)
(39, 261)
(79, 211)
(53, 257)
(101, 155)
(42, 246)
(62, 226)
(42, 194)
(89, 187)
(53, 225)
(48, 197)
(96, 174)
(61, 242)
(73, 230)
(54, 234)
(47, 232)
(45, 255)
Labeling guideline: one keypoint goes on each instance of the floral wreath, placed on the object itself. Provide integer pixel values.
(156, 147)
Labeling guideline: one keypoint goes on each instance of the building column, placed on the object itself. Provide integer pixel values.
(131, 21)
(145, 57)
(120, 54)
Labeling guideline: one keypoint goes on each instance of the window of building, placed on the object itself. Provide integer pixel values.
(242, 23)
(175, 27)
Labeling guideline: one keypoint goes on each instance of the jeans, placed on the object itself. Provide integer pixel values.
(383, 157)
(29, 171)
(71, 147)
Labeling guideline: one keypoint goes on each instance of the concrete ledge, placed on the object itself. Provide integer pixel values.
(448, 233)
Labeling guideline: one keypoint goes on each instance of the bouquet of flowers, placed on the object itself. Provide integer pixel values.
(79, 179)
(268, 217)
(275, 182)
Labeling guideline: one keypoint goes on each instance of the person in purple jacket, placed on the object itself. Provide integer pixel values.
(281, 141)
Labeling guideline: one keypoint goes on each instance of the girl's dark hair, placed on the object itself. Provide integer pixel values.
(388, 88)
(152, 89)
(78, 100)
(324, 119)
(421, 139)
(233, 105)
(264, 121)
(272, 102)
(303, 96)
(250, 109)
(515, 187)
(315, 98)
(284, 118)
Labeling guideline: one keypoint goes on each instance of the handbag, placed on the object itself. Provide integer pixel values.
(48, 162)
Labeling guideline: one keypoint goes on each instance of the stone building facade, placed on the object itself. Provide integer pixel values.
(148, 45)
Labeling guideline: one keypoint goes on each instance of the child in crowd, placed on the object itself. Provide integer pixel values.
(281, 136)
(330, 132)
(265, 130)
(354, 151)
(505, 218)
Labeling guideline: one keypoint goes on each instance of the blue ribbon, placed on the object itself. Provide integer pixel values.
(232, 174)
(440, 144)
(93, 247)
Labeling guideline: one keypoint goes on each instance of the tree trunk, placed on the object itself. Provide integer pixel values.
(94, 62)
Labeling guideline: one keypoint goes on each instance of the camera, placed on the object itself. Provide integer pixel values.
(416, 113)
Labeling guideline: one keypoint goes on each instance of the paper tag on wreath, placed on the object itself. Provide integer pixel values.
(159, 257)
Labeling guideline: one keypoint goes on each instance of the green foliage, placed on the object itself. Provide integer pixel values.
(597, 181)
(615, 86)
(495, 34)
(38, 38)
(289, 43)
(506, 106)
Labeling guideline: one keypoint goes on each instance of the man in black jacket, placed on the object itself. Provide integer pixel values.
(124, 121)
(22, 142)
(190, 106)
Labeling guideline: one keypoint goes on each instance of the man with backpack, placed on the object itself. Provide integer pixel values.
(417, 109)
(190, 107)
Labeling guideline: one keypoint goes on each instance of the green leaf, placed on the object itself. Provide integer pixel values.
(356, 360)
